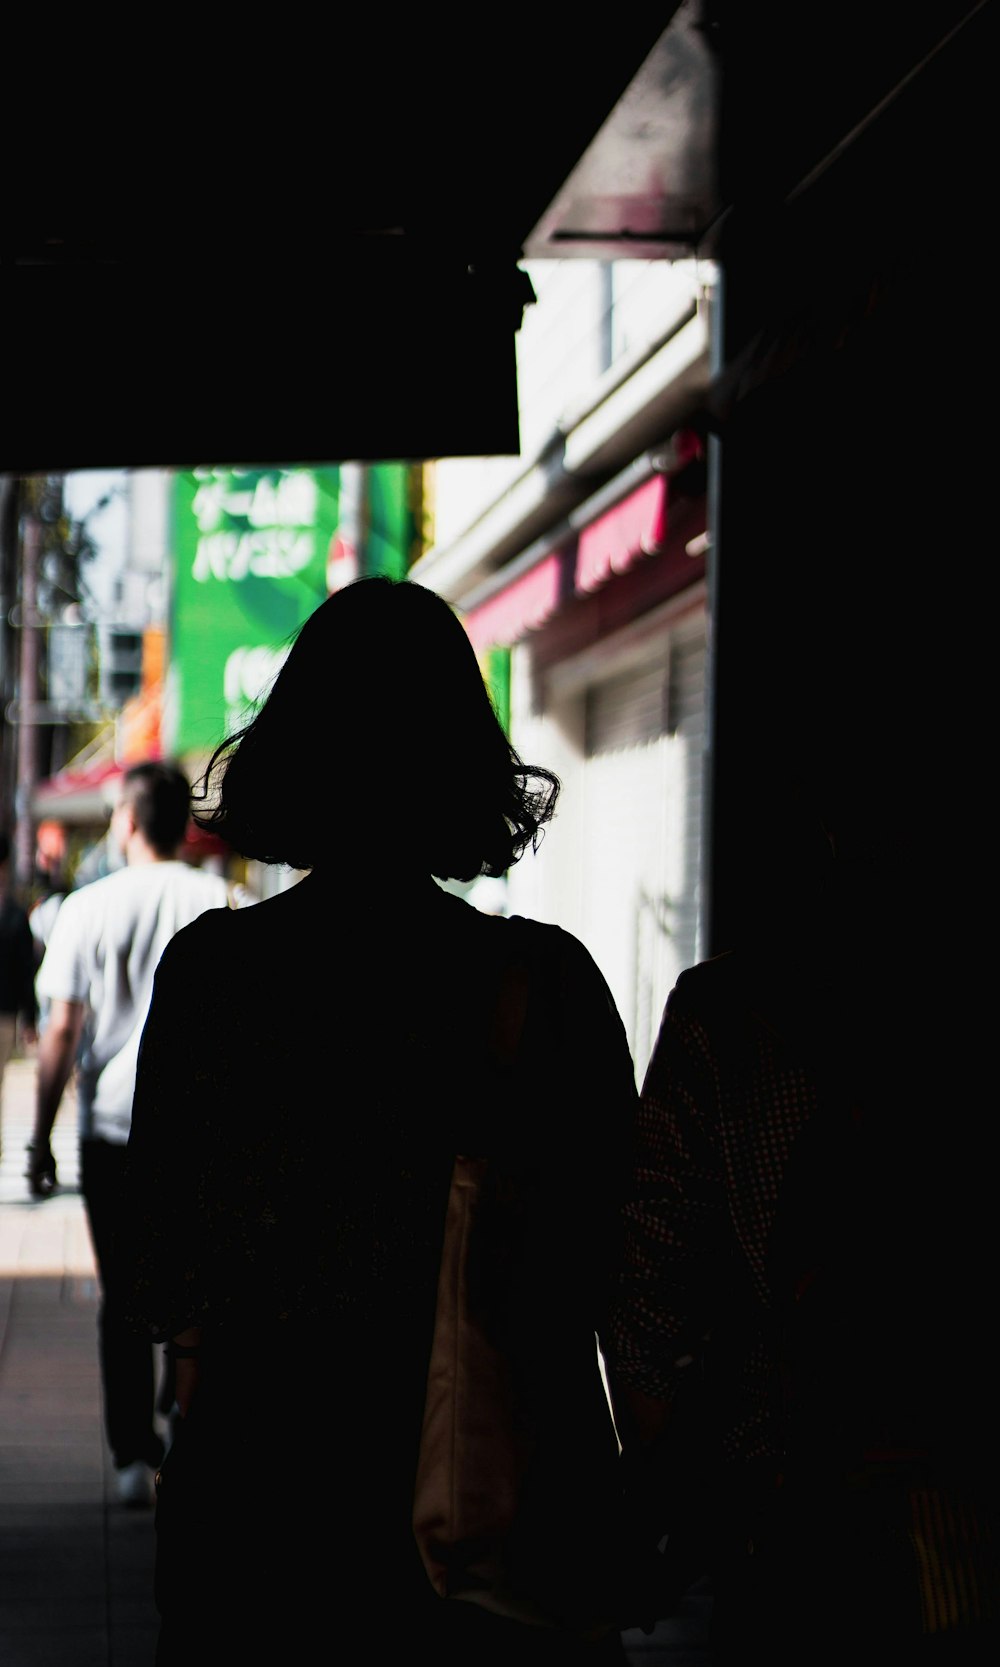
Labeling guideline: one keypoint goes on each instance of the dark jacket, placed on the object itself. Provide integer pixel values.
(17, 962)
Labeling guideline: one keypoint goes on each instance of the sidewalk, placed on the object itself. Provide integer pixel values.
(76, 1567)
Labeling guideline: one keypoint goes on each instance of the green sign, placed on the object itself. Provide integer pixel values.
(390, 531)
(495, 667)
(250, 553)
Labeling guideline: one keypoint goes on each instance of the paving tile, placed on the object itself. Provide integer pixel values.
(71, 1524)
(49, 1569)
(65, 1611)
(73, 1646)
(135, 1646)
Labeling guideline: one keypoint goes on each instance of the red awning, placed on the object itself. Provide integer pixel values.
(635, 527)
(610, 544)
(525, 604)
(79, 796)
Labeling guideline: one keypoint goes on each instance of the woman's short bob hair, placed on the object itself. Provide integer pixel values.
(378, 743)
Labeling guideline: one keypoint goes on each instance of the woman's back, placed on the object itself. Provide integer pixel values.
(359, 1058)
(309, 1070)
(296, 1214)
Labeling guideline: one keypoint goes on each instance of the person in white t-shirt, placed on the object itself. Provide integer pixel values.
(97, 978)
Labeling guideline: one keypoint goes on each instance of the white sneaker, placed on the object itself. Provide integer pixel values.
(135, 1484)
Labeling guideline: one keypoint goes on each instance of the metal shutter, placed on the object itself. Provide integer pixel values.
(643, 739)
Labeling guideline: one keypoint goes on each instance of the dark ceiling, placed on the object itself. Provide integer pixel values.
(303, 243)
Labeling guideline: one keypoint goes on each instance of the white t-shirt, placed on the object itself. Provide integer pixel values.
(106, 942)
(43, 916)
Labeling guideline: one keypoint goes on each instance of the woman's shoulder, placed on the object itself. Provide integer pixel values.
(544, 942)
(574, 1039)
(213, 932)
(566, 981)
(557, 962)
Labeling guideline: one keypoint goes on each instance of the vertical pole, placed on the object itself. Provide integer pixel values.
(27, 699)
(709, 940)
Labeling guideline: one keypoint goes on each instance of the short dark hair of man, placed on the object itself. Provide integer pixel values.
(159, 795)
(378, 748)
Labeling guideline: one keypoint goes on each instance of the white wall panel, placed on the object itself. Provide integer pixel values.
(620, 865)
(587, 316)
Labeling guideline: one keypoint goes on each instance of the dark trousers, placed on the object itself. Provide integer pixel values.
(128, 1372)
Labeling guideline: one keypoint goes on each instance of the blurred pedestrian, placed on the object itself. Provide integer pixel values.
(97, 975)
(18, 1003)
(289, 1162)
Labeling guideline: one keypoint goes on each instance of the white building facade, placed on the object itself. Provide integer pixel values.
(585, 558)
